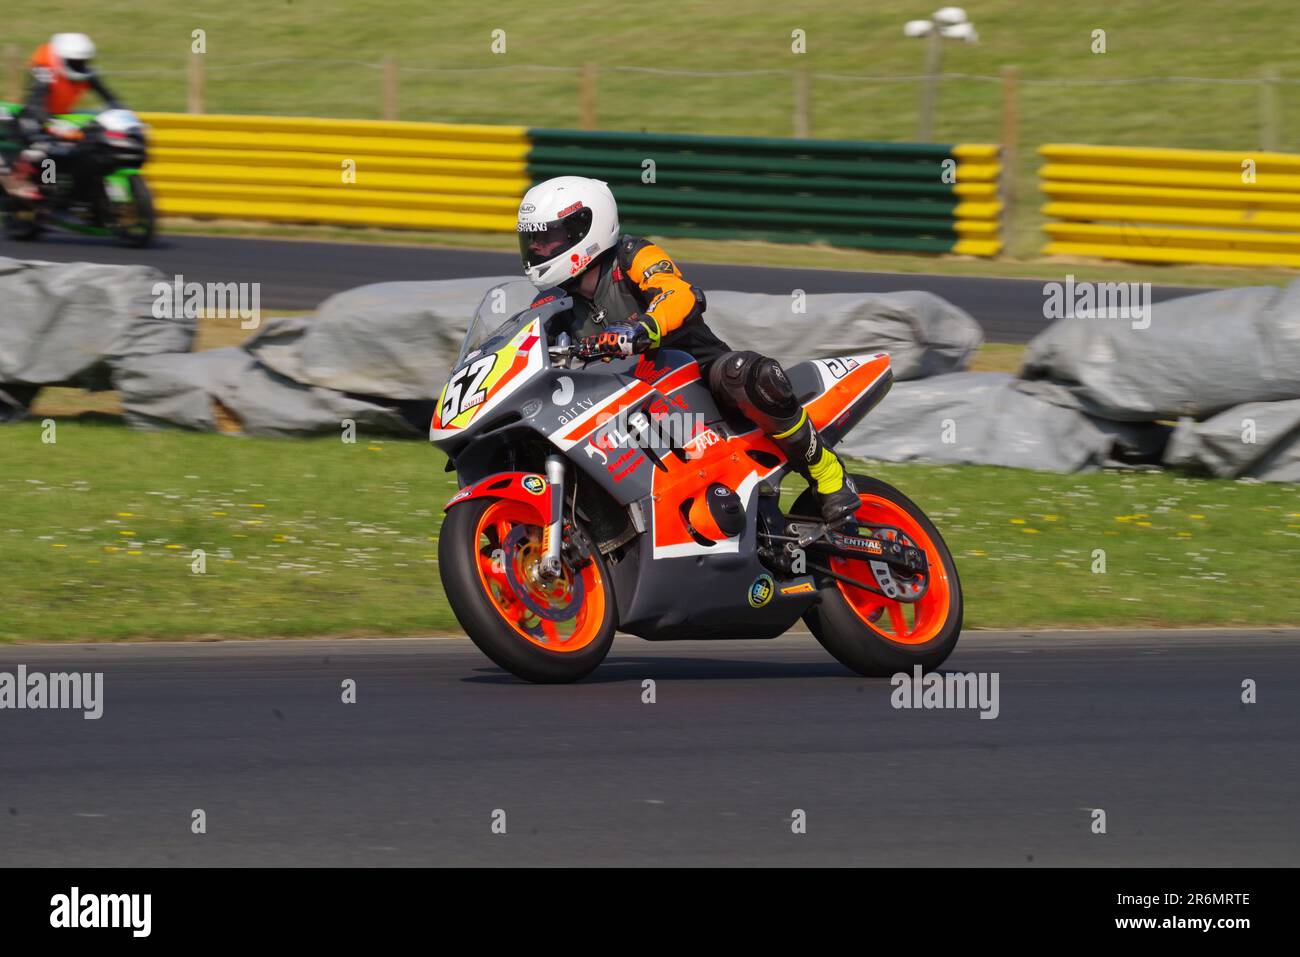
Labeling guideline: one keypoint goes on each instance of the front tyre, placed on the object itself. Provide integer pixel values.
(874, 635)
(547, 632)
(133, 221)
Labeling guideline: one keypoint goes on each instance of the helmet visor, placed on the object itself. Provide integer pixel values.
(542, 242)
(77, 68)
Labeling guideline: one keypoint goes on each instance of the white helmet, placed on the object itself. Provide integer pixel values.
(75, 51)
(565, 223)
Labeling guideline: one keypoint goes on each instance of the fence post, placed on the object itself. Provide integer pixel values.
(13, 76)
(1268, 108)
(587, 96)
(195, 84)
(1010, 142)
(802, 103)
(390, 88)
(930, 85)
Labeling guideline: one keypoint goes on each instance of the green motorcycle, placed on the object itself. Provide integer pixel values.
(97, 188)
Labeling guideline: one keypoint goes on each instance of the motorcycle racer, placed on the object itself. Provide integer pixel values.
(60, 73)
(630, 297)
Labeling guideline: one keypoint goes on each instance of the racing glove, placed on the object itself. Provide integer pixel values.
(618, 341)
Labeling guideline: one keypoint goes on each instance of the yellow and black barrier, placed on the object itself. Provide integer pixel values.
(340, 172)
(923, 197)
(1171, 205)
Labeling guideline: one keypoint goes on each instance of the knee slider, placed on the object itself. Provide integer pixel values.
(770, 390)
(729, 373)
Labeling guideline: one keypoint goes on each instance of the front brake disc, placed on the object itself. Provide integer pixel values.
(525, 595)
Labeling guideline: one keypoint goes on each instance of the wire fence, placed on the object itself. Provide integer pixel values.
(1018, 110)
(1188, 111)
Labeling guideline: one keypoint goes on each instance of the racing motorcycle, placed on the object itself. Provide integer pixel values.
(97, 189)
(616, 494)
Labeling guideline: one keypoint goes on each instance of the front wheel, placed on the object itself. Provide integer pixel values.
(543, 631)
(874, 635)
(132, 219)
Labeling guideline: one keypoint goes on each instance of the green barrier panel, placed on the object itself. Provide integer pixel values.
(857, 194)
(673, 178)
(729, 144)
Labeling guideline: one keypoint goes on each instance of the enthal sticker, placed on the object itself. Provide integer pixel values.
(533, 483)
(857, 541)
(839, 368)
(799, 589)
(760, 593)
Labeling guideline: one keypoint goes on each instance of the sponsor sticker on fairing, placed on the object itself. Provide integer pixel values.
(760, 593)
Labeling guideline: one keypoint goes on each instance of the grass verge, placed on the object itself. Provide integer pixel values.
(310, 537)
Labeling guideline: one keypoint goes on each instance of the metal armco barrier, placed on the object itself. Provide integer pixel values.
(898, 196)
(1172, 206)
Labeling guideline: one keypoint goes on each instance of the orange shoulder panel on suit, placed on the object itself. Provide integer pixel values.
(63, 93)
(656, 274)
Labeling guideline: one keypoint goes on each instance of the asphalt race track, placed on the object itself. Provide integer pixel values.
(299, 275)
(1149, 727)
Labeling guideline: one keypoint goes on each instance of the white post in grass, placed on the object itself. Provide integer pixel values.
(946, 23)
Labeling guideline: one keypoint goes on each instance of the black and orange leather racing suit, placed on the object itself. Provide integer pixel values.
(640, 284)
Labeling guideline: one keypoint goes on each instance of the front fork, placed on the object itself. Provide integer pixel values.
(553, 533)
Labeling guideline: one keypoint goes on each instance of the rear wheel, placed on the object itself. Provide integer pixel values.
(538, 630)
(875, 635)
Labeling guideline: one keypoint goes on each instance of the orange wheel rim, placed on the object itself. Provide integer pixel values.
(496, 523)
(896, 621)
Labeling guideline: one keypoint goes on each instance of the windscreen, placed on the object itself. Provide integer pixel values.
(504, 310)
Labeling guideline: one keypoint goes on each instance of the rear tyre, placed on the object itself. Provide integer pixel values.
(869, 633)
(487, 555)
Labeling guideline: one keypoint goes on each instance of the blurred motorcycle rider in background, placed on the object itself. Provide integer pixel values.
(630, 297)
(60, 72)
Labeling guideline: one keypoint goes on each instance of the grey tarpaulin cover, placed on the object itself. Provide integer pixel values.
(923, 334)
(398, 339)
(984, 418)
(66, 323)
(392, 339)
(179, 390)
(1256, 439)
(1200, 355)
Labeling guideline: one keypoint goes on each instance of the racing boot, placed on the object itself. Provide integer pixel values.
(803, 446)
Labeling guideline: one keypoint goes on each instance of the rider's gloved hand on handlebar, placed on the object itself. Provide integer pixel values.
(617, 341)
